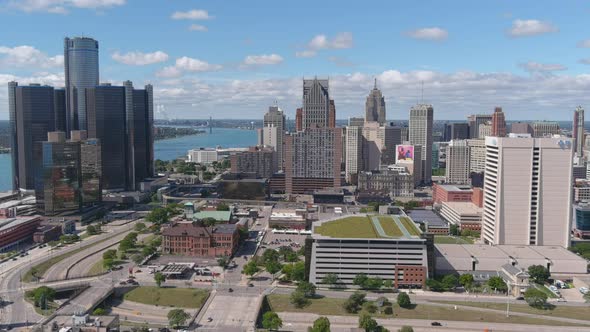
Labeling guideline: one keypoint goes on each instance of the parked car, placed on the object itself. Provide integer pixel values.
(436, 324)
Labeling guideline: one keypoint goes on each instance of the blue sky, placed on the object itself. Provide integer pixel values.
(232, 59)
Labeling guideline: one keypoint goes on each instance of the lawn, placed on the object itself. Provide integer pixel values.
(546, 290)
(410, 226)
(332, 306)
(168, 297)
(389, 226)
(574, 312)
(446, 239)
(98, 268)
(349, 227)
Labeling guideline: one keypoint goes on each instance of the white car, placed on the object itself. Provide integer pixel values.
(584, 290)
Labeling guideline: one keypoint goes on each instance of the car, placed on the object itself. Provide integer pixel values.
(14, 258)
(231, 290)
(138, 271)
(436, 324)
(561, 299)
(123, 282)
(209, 319)
(520, 298)
(250, 285)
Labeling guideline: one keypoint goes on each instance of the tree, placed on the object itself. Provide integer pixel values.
(209, 221)
(298, 299)
(91, 230)
(449, 281)
(108, 263)
(403, 300)
(99, 312)
(158, 216)
(539, 273)
(148, 250)
(466, 232)
(497, 283)
(360, 280)
(271, 321)
(177, 317)
(321, 324)
(223, 261)
(466, 280)
(368, 323)
(454, 229)
(110, 254)
(159, 278)
(535, 297)
(273, 267)
(388, 283)
(406, 328)
(287, 270)
(42, 296)
(137, 258)
(307, 288)
(330, 279)
(140, 227)
(270, 255)
(354, 302)
(434, 285)
(299, 271)
(250, 268)
(374, 283)
(222, 207)
(370, 307)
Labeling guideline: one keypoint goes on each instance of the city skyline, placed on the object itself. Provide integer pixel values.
(506, 62)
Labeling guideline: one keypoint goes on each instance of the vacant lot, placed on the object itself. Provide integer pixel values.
(169, 297)
(349, 227)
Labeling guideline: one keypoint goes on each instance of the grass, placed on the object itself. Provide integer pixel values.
(332, 306)
(51, 307)
(546, 290)
(43, 267)
(169, 297)
(446, 239)
(98, 268)
(574, 312)
(389, 226)
(349, 227)
(409, 225)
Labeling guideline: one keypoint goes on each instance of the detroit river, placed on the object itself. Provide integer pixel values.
(167, 149)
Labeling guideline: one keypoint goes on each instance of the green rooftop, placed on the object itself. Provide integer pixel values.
(378, 227)
(222, 216)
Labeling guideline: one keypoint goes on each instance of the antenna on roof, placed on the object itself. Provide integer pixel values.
(422, 97)
(375, 87)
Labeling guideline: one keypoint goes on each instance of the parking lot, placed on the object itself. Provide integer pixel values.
(276, 240)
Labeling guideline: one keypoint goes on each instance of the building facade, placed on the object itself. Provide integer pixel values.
(375, 106)
(545, 128)
(528, 191)
(393, 180)
(316, 103)
(258, 160)
(191, 239)
(273, 132)
(581, 215)
(14, 231)
(458, 169)
(498, 123)
(475, 120)
(421, 117)
(521, 128)
(578, 131)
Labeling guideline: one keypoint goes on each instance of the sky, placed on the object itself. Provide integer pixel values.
(234, 58)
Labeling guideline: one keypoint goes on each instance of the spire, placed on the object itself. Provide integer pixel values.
(375, 87)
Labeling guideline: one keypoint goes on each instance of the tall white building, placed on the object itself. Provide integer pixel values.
(354, 152)
(528, 191)
(477, 155)
(457, 170)
(421, 117)
(578, 131)
(272, 132)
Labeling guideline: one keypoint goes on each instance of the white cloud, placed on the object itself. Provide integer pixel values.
(342, 40)
(139, 58)
(28, 57)
(584, 43)
(194, 14)
(62, 6)
(524, 28)
(536, 67)
(434, 33)
(306, 54)
(263, 59)
(186, 64)
(198, 27)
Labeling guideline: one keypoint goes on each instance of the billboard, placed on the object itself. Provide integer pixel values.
(405, 153)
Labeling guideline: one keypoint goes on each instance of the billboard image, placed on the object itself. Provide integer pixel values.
(405, 153)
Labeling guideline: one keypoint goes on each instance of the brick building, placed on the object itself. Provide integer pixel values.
(14, 231)
(451, 193)
(192, 239)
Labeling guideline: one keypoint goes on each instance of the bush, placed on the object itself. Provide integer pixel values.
(403, 300)
(535, 297)
(388, 310)
(370, 307)
(298, 299)
(354, 302)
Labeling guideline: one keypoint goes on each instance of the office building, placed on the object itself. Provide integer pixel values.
(456, 193)
(380, 253)
(581, 215)
(410, 156)
(545, 128)
(521, 128)
(81, 72)
(260, 161)
(32, 116)
(273, 131)
(299, 119)
(459, 130)
(498, 123)
(405, 133)
(457, 170)
(477, 155)
(582, 190)
(316, 104)
(17, 230)
(192, 239)
(90, 163)
(421, 117)
(528, 191)
(579, 171)
(475, 120)
(203, 156)
(393, 180)
(485, 129)
(332, 114)
(465, 215)
(59, 107)
(356, 122)
(375, 106)
(353, 152)
(578, 131)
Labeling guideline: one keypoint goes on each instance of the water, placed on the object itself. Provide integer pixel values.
(167, 149)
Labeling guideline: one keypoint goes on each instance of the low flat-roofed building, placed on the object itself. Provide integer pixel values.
(390, 247)
(466, 258)
(82, 323)
(219, 216)
(582, 191)
(46, 233)
(451, 193)
(432, 222)
(289, 218)
(465, 215)
(14, 231)
(328, 196)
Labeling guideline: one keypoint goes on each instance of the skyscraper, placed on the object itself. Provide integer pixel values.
(375, 106)
(81, 72)
(316, 104)
(475, 120)
(420, 133)
(578, 131)
(299, 119)
(528, 191)
(354, 152)
(274, 118)
(32, 116)
(545, 128)
(457, 170)
(498, 123)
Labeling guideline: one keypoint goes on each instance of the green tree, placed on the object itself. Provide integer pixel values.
(250, 268)
(360, 280)
(110, 254)
(298, 299)
(538, 273)
(354, 302)
(108, 263)
(271, 321)
(273, 267)
(454, 229)
(177, 317)
(535, 297)
(270, 255)
(99, 312)
(466, 280)
(223, 261)
(299, 271)
(330, 279)
(91, 230)
(370, 307)
(367, 323)
(287, 270)
(42, 296)
(137, 258)
(449, 281)
(140, 227)
(307, 288)
(222, 207)
(388, 283)
(148, 250)
(158, 216)
(322, 324)
(159, 278)
(498, 284)
(434, 285)
(374, 283)
(208, 221)
(406, 328)
(403, 300)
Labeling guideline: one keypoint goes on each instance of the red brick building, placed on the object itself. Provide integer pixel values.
(192, 239)
(410, 276)
(451, 193)
(477, 197)
(17, 230)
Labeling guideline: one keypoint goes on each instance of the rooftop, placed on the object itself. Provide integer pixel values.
(6, 224)
(217, 215)
(455, 187)
(464, 208)
(426, 215)
(368, 226)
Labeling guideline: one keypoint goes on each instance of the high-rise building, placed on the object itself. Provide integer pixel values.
(578, 131)
(258, 161)
(316, 104)
(485, 129)
(81, 72)
(356, 122)
(90, 164)
(332, 114)
(457, 130)
(545, 128)
(477, 155)
(354, 152)
(421, 117)
(457, 170)
(299, 119)
(274, 118)
(59, 107)
(521, 128)
(32, 116)
(375, 106)
(528, 191)
(475, 120)
(498, 123)
(581, 216)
